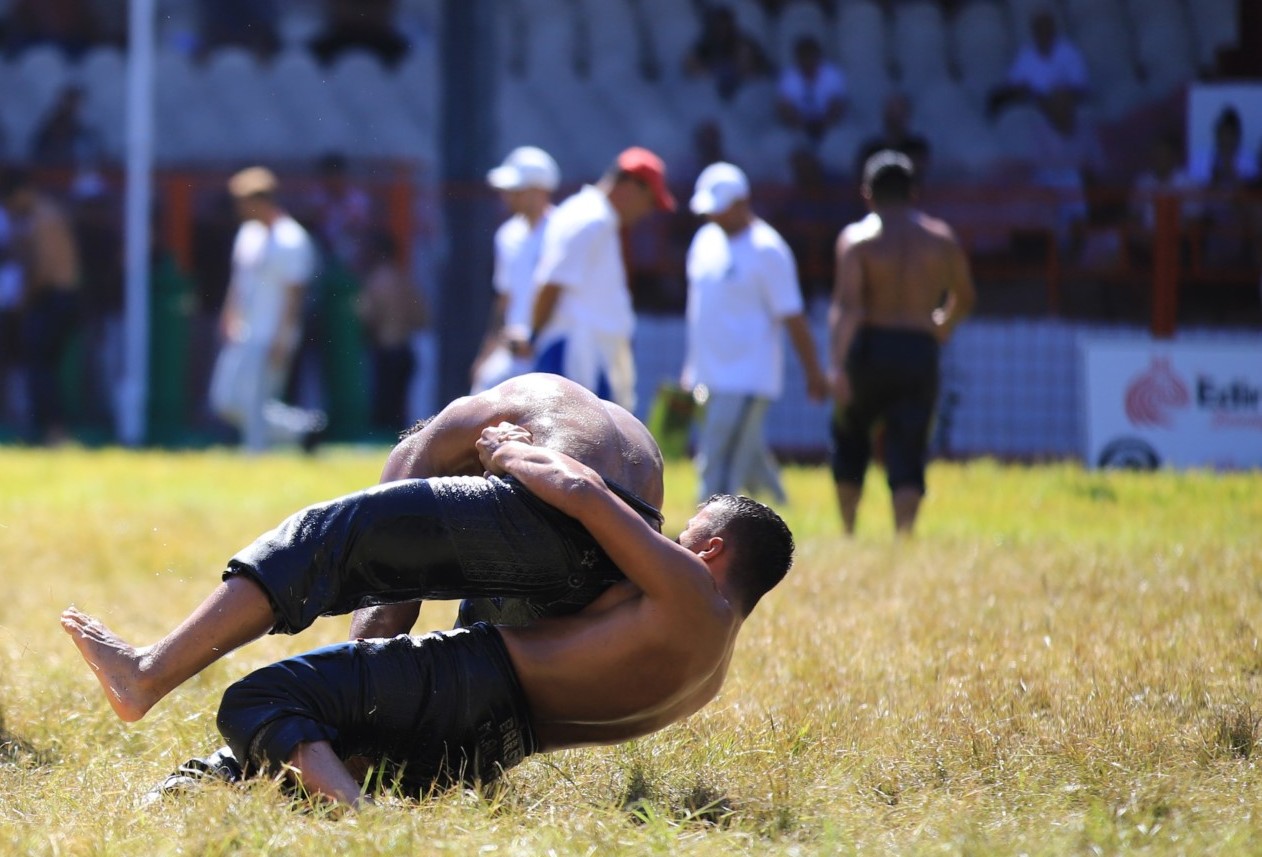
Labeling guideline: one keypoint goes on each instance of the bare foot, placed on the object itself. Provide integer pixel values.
(118, 666)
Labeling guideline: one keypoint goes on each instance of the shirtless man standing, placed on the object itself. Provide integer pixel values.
(407, 539)
(465, 705)
(902, 286)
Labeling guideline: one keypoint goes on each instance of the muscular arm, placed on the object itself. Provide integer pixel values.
(961, 294)
(545, 304)
(665, 572)
(845, 313)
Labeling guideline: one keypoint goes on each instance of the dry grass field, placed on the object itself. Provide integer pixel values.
(1062, 662)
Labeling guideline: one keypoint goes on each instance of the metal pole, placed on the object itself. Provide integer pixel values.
(137, 206)
(468, 149)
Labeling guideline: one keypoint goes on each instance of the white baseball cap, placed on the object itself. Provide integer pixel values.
(525, 166)
(718, 186)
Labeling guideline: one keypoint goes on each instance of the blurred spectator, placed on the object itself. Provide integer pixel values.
(70, 25)
(248, 24)
(98, 230)
(707, 148)
(1226, 171)
(583, 317)
(341, 211)
(525, 182)
(367, 25)
(896, 136)
(50, 300)
(726, 53)
(63, 138)
(1164, 175)
(391, 308)
(1066, 157)
(1047, 63)
(1226, 165)
(743, 296)
(273, 260)
(812, 91)
(808, 216)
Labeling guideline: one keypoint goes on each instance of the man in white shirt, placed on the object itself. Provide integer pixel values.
(743, 293)
(1047, 63)
(525, 181)
(812, 91)
(583, 319)
(273, 259)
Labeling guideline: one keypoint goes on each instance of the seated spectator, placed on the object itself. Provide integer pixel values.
(248, 24)
(1047, 63)
(725, 53)
(1164, 175)
(1066, 157)
(896, 135)
(341, 211)
(63, 138)
(70, 25)
(808, 215)
(812, 94)
(367, 25)
(1226, 171)
(707, 148)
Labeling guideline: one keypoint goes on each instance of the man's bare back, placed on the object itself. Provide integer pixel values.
(904, 262)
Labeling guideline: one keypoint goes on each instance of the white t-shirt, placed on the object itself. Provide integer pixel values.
(1064, 66)
(265, 263)
(517, 247)
(582, 253)
(740, 289)
(812, 97)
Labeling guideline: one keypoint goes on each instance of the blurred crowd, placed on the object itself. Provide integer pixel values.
(1087, 192)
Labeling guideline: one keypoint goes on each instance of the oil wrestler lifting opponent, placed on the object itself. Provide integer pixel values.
(465, 705)
(406, 539)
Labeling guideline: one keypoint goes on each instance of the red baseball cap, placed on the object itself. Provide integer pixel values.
(648, 168)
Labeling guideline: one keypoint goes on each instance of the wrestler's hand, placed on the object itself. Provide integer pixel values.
(493, 437)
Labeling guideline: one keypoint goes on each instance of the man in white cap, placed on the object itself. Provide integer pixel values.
(583, 317)
(742, 293)
(525, 181)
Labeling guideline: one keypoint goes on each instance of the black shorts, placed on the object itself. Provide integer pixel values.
(440, 538)
(436, 710)
(893, 378)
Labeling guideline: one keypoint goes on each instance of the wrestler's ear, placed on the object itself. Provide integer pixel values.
(713, 547)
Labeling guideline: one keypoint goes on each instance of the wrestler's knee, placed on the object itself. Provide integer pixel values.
(262, 717)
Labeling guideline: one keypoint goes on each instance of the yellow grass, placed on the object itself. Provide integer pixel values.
(1062, 663)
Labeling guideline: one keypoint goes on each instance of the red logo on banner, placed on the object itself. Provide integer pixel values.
(1152, 395)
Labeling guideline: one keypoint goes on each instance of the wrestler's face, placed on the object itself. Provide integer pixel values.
(697, 532)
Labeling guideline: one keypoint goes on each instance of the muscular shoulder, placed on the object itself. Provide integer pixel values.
(860, 233)
(938, 229)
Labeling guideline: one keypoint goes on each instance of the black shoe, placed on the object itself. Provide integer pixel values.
(316, 434)
(220, 766)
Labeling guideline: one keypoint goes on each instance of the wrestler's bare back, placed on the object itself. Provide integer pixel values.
(559, 414)
(909, 261)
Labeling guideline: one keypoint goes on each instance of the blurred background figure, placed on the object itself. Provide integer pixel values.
(273, 261)
(50, 303)
(391, 309)
(252, 25)
(897, 135)
(1165, 174)
(725, 53)
(525, 182)
(64, 138)
(582, 319)
(363, 25)
(743, 294)
(341, 211)
(812, 90)
(71, 26)
(1046, 63)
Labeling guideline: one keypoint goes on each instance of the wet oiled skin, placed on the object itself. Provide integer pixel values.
(559, 414)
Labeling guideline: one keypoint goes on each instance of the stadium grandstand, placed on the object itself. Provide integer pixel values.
(1055, 259)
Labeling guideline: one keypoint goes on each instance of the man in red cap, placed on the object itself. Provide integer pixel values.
(582, 321)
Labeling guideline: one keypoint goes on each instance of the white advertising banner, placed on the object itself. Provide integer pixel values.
(1153, 403)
